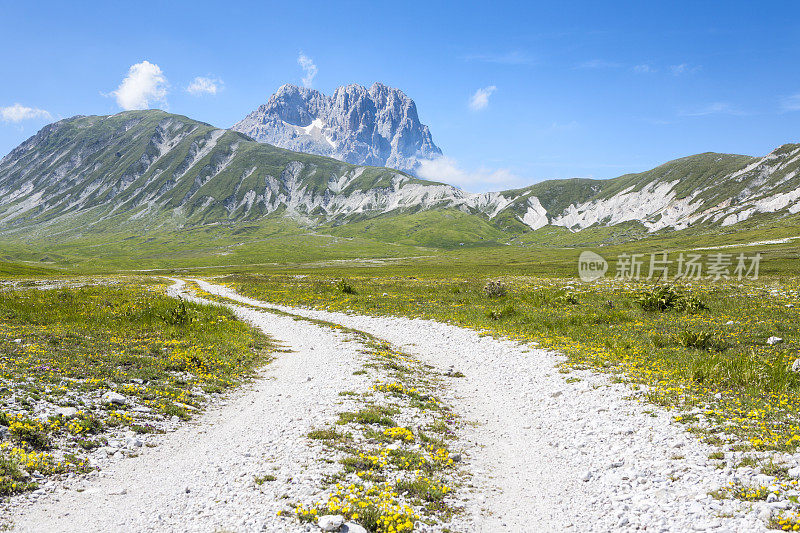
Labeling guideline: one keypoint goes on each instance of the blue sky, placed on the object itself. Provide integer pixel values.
(568, 89)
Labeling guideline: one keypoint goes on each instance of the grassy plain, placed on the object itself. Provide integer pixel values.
(730, 385)
(63, 349)
(422, 240)
(715, 359)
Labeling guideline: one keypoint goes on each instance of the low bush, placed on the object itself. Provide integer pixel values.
(495, 289)
(568, 298)
(666, 297)
(661, 298)
(177, 316)
(344, 287)
(702, 340)
(507, 312)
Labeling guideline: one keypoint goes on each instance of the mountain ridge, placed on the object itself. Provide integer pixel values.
(159, 170)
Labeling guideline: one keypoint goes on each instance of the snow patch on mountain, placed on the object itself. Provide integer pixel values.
(490, 203)
(628, 205)
(536, 215)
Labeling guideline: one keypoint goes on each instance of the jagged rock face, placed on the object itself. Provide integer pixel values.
(378, 126)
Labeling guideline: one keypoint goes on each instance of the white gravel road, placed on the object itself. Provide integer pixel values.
(546, 455)
(259, 430)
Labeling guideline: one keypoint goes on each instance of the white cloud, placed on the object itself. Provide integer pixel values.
(791, 103)
(480, 99)
(683, 68)
(308, 67)
(678, 69)
(644, 68)
(144, 84)
(563, 126)
(715, 108)
(447, 170)
(19, 112)
(509, 58)
(201, 85)
(599, 63)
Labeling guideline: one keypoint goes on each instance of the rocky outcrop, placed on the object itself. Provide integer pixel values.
(378, 126)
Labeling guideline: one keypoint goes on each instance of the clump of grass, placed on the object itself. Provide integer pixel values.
(495, 289)
(84, 424)
(88, 444)
(376, 508)
(660, 341)
(326, 434)
(748, 493)
(260, 480)
(690, 303)
(370, 415)
(506, 312)
(409, 460)
(702, 340)
(30, 432)
(660, 298)
(719, 494)
(423, 488)
(345, 287)
(568, 298)
(177, 316)
(145, 428)
(771, 468)
(358, 464)
(12, 480)
(666, 297)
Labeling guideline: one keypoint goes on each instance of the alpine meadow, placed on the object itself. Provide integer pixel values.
(248, 283)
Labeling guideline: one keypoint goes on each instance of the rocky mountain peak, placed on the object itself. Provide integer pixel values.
(296, 105)
(378, 126)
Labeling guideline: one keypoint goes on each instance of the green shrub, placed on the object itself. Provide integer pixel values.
(495, 289)
(702, 340)
(30, 434)
(344, 286)
(507, 312)
(661, 298)
(691, 304)
(665, 297)
(177, 316)
(569, 298)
